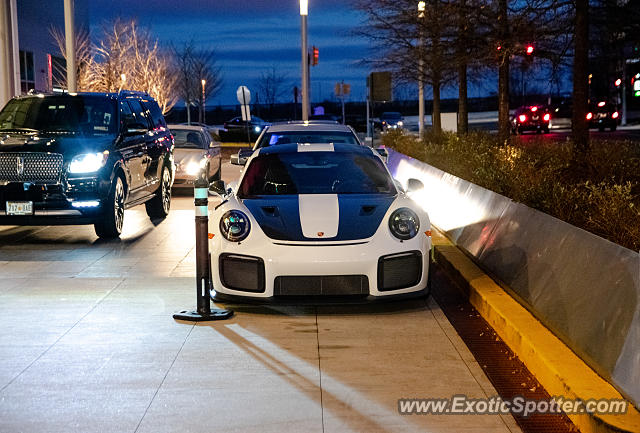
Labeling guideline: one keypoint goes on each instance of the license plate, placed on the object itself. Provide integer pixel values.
(19, 208)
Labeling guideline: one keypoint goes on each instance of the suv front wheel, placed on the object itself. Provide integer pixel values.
(111, 225)
(158, 206)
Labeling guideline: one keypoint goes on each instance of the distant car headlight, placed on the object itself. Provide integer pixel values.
(400, 123)
(194, 167)
(235, 225)
(404, 223)
(88, 162)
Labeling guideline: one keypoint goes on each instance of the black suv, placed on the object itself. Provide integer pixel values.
(83, 158)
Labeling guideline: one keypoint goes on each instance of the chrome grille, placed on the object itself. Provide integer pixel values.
(36, 167)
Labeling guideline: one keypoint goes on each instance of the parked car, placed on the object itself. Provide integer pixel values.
(83, 159)
(195, 150)
(391, 120)
(534, 118)
(237, 129)
(603, 115)
(318, 220)
(313, 131)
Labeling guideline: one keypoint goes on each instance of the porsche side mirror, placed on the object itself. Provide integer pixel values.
(414, 185)
(218, 187)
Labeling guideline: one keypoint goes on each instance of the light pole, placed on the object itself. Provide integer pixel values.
(421, 8)
(203, 104)
(304, 11)
(70, 46)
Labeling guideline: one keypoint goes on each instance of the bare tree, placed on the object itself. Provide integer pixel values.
(192, 66)
(129, 57)
(580, 80)
(272, 86)
(84, 58)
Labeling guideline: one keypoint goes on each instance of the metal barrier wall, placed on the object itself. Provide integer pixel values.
(581, 286)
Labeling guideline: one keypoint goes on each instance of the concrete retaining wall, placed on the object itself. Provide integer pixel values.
(582, 287)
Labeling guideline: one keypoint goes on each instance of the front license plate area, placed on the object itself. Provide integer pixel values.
(19, 208)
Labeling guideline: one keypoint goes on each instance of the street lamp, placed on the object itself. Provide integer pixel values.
(304, 11)
(421, 9)
(203, 99)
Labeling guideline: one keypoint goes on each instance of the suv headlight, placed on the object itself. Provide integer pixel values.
(404, 223)
(235, 225)
(88, 162)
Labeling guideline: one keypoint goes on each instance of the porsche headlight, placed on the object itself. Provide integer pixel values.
(404, 223)
(88, 162)
(235, 225)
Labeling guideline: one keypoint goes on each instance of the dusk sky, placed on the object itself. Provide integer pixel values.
(250, 36)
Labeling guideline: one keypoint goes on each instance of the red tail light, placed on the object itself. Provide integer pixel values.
(522, 118)
(546, 117)
(614, 115)
(589, 116)
(534, 109)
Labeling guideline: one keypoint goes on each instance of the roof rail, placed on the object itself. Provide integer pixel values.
(132, 93)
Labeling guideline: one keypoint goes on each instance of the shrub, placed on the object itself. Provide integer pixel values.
(541, 174)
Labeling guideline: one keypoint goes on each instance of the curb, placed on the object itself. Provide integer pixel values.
(556, 367)
(235, 144)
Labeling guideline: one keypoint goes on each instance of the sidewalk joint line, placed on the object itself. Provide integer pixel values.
(164, 378)
(319, 370)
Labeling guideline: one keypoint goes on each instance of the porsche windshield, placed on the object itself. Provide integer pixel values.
(315, 173)
(285, 137)
(82, 114)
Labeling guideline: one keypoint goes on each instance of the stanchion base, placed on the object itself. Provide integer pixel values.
(194, 316)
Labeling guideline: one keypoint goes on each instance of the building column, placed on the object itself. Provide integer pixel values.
(9, 60)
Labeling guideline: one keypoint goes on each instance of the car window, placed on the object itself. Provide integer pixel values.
(126, 114)
(84, 115)
(157, 119)
(315, 173)
(139, 112)
(285, 137)
(185, 138)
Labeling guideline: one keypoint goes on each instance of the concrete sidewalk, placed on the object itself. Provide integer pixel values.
(88, 344)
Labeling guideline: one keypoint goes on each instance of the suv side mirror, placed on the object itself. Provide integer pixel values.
(136, 129)
(218, 188)
(414, 185)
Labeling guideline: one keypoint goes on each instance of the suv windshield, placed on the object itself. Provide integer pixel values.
(84, 115)
(284, 137)
(315, 173)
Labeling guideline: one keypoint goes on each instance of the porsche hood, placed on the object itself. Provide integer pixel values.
(318, 217)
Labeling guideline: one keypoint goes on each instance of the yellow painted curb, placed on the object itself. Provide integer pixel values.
(234, 144)
(556, 367)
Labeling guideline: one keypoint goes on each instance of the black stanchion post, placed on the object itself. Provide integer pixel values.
(203, 260)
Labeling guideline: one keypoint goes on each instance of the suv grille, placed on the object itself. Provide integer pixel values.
(36, 167)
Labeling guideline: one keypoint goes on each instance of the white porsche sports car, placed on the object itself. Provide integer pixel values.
(318, 220)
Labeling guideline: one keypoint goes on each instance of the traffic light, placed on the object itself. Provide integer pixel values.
(314, 56)
(618, 82)
(529, 50)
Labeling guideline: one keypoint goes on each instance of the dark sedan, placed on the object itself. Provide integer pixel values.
(603, 115)
(237, 129)
(532, 118)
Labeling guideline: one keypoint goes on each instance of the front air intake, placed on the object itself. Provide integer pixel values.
(243, 273)
(399, 271)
